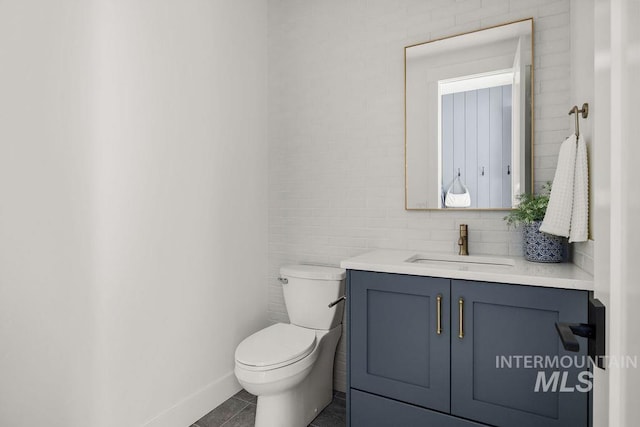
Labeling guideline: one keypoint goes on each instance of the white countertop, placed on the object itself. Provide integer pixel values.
(521, 271)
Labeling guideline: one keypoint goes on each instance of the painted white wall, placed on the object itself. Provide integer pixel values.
(47, 322)
(133, 216)
(181, 221)
(336, 127)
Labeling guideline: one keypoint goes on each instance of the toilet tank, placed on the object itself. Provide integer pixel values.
(308, 290)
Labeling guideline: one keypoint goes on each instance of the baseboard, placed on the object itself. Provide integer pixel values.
(193, 407)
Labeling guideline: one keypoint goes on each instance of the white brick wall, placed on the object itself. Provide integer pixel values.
(583, 255)
(336, 81)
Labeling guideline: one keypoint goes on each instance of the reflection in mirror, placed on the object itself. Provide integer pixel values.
(468, 119)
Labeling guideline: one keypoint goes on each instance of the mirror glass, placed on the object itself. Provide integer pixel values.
(468, 118)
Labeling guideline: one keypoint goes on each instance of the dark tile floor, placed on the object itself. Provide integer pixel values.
(240, 411)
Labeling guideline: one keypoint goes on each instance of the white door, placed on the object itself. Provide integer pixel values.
(617, 206)
(625, 236)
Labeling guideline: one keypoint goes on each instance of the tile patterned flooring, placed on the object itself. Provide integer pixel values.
(240, 411)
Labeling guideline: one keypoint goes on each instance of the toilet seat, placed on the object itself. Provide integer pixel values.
(278, 345)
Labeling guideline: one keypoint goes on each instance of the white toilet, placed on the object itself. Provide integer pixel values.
(290, 366)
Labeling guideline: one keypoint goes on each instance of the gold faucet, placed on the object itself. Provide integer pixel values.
(463, 240)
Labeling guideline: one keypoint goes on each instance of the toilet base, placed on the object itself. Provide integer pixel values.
(288, 409)
(298, 406)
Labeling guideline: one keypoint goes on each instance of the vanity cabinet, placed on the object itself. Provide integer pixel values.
(436, 351)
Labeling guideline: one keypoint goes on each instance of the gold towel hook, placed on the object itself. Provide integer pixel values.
(585, 113)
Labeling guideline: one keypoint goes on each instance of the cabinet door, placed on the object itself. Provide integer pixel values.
(368, 410)
(509, 348)
(395, 348)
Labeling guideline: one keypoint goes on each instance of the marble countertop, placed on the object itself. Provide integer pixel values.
(515, 270)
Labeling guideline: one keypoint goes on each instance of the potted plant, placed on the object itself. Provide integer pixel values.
(538, 246)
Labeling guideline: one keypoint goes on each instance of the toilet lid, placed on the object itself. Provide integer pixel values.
(278, 345)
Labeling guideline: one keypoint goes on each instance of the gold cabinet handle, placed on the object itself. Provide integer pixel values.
(439, 309)
(460, 313)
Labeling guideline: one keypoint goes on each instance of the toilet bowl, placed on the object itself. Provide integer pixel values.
(289, 366)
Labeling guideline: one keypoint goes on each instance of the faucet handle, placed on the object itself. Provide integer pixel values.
(463, 240)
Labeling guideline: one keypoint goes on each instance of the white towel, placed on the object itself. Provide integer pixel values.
(568, 211)
(580, 212)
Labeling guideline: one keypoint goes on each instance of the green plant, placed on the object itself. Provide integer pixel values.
(531, 208)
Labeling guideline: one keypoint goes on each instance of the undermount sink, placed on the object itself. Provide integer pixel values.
(445, 259)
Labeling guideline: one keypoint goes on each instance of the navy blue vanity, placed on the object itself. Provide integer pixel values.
(450, 352)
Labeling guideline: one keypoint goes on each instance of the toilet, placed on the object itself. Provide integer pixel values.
(289, 366)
